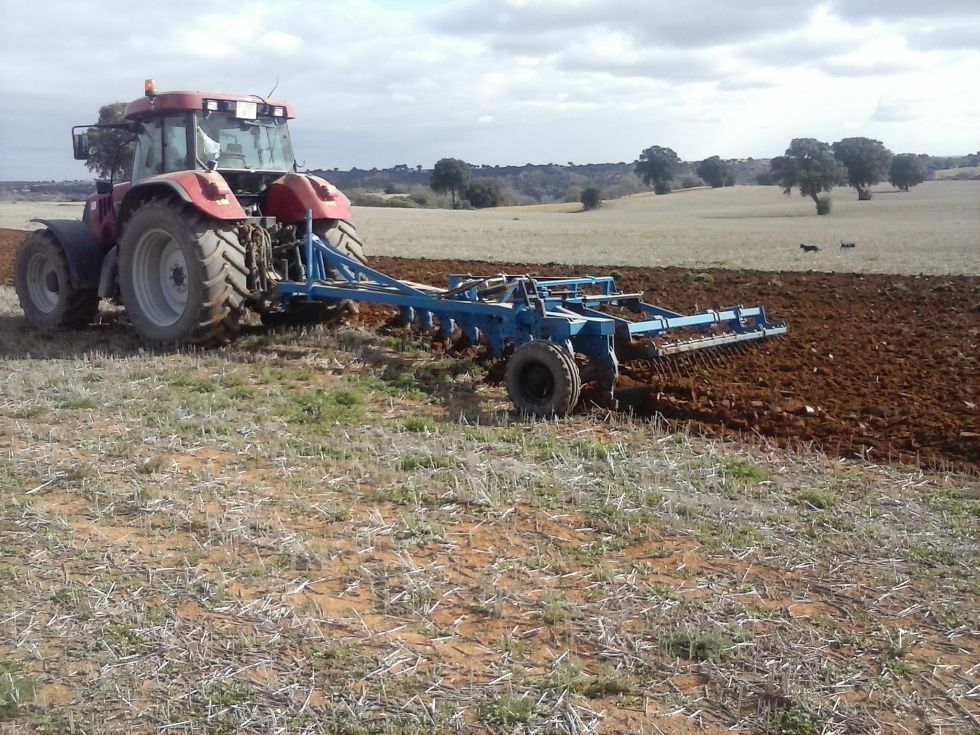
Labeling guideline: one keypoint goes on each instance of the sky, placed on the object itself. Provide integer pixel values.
(378, 83)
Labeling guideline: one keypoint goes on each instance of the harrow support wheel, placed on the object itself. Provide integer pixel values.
(182, 275)
(542, 379)
(45, 289)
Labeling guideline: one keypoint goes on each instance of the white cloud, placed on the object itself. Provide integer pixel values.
(896, 109)
(378, 82)
(278, 43)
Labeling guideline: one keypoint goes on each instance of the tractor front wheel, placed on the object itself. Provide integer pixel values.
(45, 288)
(343, 236)
(542, 379)
(183, 276)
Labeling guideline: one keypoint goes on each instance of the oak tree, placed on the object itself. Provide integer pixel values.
(591, 197)
(906, 171)
(656, 166)
(450, 175)
(111, 150)
(866, 161)
(810, 165)
(716, 173)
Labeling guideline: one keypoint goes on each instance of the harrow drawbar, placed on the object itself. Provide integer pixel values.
(558, 332)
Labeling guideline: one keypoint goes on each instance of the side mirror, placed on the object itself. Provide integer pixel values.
(103, 187)
(81, 146)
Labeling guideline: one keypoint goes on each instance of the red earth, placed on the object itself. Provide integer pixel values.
(878, 366)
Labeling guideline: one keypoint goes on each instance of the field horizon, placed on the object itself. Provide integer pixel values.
(932, 229)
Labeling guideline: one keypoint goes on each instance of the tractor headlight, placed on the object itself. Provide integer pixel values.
(245, 110)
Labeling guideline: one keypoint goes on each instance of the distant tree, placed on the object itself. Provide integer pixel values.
(591, 198)
(810, 165)
(906, 171)
(482, 192)
(450, 175)
(765, 178)
(111, 151)
(866, 161)
(716, 173)
(656, 166)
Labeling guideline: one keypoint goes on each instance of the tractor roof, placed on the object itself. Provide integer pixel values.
(164, 103)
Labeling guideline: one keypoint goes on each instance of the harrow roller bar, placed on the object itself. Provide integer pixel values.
(717, 340)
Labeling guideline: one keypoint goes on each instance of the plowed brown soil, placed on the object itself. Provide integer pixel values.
(9, 240)
(879, 366)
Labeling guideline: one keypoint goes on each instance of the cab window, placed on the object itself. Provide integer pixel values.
(148, 159)
(161, 147)
(175, 144)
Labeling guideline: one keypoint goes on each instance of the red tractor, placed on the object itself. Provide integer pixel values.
(213, 217)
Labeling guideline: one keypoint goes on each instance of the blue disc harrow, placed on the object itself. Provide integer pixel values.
(558, 332)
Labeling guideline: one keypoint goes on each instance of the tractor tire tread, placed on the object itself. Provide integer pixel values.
(221, 266)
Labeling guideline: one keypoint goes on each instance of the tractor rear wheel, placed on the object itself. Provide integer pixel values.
(343, 236)
(182, 275)
(542, 379)
(44, 285)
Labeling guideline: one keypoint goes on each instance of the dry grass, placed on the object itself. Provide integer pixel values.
(931, 229)
(935, 228)
(951, 173)
(338, 532)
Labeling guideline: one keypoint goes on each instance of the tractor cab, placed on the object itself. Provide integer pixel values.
(244, 139)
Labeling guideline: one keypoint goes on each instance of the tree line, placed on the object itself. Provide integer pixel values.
(812, 166)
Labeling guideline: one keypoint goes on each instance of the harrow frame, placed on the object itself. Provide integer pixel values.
(508, 311)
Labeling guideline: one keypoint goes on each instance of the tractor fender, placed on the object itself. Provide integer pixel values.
(82, 250)
(109, 274)
(205, 190)
(290, 196)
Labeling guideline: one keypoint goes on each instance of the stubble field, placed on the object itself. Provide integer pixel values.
(344, 531)
(934, 228)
